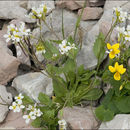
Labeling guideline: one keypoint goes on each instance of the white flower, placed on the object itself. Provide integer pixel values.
(37, 112)
(64, 48)
(128, 28)
(123, 16)
(19, 98)
(22, 29)
(8, 36)
(16, 37)
(62, 124)
(117, 9)
(12, 28)
(32, 108)
(120, 29)
(54, 55)
(15, 107)
(39, 12)
(29, 117)
(72, 46)
(127, 35)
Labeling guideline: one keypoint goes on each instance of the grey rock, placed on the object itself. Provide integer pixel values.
(91, 13)
(5, 98)
(32, 84)
(12, 10)
(80, 118)
(120, 121)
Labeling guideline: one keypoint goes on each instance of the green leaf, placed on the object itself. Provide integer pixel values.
(127, 85)
(50, 50)
(27, 100)
(88, 75)
(37, 122)
(81, 70)
(69, 65)
(123, 104)
(93, 94)
(54, 70)
(44, 99)
(60, 87)
(108, 97)
(99, 47)
(104, 114)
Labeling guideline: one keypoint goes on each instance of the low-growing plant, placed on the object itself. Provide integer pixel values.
(117, 72)
(71, 83)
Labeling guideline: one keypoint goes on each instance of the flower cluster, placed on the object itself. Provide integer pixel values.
(39, 13)
(17, 105)
(123, 34)
(65, 47)
(62, 124)
(32, 111)
(16, 34)
(121, 15)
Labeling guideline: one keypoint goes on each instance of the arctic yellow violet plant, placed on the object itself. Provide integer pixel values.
(118, 70)
(114, 50)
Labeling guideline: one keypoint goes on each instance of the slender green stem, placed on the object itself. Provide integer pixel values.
(63, 34)
(78, 20)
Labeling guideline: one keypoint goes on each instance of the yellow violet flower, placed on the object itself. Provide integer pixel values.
(118, 70)
(114, 50)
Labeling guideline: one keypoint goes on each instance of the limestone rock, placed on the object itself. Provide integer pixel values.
(120, 121)
(80, 118)
(71, 5)
(32, 84)
(91, 13)
(96, 3)
(12, 10)
(15, 121)
(5, 98)
(8, 66)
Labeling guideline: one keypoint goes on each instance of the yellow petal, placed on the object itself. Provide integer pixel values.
(117, 76)
(121, 70)
(115, 46)
(109, 46)
(116, 65)
(117, 51)
(121, 87)
(111, 55)
(112, 69)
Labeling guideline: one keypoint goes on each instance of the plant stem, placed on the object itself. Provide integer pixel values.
(78, 20)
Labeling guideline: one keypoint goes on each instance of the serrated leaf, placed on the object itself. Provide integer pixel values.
(37, 122)
(27, 100)
(44, 99)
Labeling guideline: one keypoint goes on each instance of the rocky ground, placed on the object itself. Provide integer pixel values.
(16, 77)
